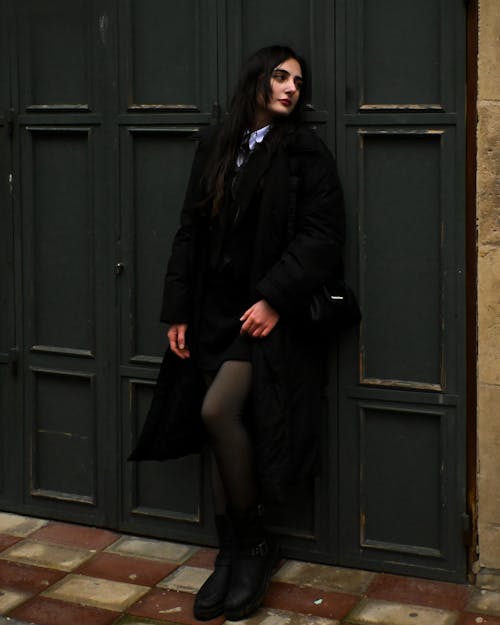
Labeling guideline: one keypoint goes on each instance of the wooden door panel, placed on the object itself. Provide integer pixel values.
(305, 25)
(170, 490)
(157, 161)
(55, 60)
(407, 458)
(399, 57)
(59, 225)
(63, 436)
(402, 457)
(168, 55)
(400, 198)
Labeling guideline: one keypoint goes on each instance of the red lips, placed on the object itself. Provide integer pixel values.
(285, 101)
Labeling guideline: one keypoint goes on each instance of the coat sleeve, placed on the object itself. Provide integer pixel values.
(314, 252)
(177, 291)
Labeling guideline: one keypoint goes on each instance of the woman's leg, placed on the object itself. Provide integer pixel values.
(254, 552)
(231, 472)
(222, 414)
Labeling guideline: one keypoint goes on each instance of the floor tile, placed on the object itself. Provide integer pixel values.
(484, 601)
(150, 548)
(30, 579)
(75, 536)
(17, 525)
(488, 580)
(313, 601)
(45, 611)
(468, 618)
(375, 612)
(265, 616)
(7, 541)
(325, 577)
(42, 554)
(100, 593)
(8, 620)
(129, 619)
(419, 591)
(9, 599)
(203, 558)
(170, 606)
(126, 569)
(186, 579)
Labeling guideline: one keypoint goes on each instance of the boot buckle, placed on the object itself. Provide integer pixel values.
(262, 549)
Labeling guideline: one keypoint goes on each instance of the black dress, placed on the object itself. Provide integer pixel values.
(227, 291)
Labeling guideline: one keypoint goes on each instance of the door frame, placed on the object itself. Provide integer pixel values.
(471, 533)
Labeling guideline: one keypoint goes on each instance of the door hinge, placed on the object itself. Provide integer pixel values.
(10, 122)
(11, 183)
(13, 360)
(466, 529)
(216, 111)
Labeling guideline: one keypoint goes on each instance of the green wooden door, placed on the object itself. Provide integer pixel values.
(108, 97)
(9, 387)
(401, 145)
(64, 223)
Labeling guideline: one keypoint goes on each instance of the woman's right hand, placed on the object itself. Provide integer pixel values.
(177, 339)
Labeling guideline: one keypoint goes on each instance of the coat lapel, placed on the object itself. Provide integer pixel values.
(253, 171)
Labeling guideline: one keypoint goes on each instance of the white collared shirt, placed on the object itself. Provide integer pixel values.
(257, 136)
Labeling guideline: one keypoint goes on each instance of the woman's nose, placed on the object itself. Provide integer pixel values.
(291, 87)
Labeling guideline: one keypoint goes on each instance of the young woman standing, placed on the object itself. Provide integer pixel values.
(262, 229)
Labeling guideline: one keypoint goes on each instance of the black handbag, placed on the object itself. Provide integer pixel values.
(334, 305)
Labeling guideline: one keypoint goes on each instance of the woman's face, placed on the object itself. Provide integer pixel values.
(286, 82)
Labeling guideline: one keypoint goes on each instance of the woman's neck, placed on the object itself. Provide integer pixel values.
(260, 121)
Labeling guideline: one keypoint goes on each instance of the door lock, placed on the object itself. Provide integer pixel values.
(119, 267)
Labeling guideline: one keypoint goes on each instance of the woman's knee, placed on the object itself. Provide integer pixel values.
(212, 414)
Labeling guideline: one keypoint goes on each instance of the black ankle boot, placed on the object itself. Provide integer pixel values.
(209, 601)
(255, 558)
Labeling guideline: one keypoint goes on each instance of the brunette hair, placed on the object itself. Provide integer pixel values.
(254, 78)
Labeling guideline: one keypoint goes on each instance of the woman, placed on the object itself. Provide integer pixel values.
(262, 228)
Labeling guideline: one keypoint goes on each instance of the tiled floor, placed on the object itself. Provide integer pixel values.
(61, 574)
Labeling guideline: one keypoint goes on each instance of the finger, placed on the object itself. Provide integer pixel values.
(181, 338)
(244, 316)
(172, 339)
(246, 325)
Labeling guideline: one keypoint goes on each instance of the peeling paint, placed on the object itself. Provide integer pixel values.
(103, 27)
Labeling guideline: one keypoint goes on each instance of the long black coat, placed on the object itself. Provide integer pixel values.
(297, 176)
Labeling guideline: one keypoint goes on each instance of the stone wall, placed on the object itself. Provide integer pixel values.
(488, 219)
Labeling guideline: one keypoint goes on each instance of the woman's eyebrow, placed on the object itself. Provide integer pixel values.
(279, 69)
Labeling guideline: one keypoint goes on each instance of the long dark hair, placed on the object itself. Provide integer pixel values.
(254, 78)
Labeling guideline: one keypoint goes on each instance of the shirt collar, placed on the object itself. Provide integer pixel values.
(257, 136)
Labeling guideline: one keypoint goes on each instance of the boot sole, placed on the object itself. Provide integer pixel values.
(208, 614)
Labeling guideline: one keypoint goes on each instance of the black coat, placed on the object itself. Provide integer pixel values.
(297, 176)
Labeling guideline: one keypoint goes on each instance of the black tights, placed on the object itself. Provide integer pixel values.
(233, 476)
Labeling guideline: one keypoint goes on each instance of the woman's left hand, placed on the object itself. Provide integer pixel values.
(259, 320)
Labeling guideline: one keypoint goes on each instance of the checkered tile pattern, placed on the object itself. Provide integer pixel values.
(56, 573)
